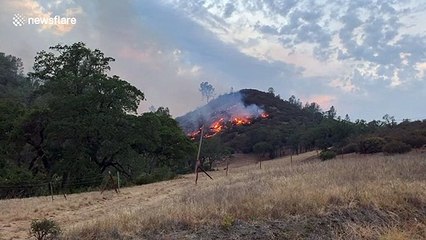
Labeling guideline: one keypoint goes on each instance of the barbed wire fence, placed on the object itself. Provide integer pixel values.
(54, 186)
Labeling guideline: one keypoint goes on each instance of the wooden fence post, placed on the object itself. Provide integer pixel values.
(227, 165)
(198, 162)
(118, 181)
(51, 189)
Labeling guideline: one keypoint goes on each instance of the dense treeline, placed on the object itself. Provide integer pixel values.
(68, 121)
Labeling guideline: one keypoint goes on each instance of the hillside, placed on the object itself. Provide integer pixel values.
(246, 103)
(252, 121)
(244, 118)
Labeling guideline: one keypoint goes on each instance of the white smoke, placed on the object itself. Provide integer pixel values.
(227, 106)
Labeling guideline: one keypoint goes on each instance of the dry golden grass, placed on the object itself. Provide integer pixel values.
(358, 197)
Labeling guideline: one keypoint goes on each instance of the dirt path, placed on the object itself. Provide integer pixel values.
(77, 209)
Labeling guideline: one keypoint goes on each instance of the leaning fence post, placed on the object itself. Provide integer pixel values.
(198, 163)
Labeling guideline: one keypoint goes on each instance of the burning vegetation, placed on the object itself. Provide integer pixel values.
(222, 113)
(226, 121)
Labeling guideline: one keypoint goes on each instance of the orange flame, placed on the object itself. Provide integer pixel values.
(241, 121)
(194, 134)
(219, 125)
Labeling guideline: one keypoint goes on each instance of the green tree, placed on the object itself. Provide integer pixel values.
(331, 113)
(347, 118)
(389, 120)
(207, 91)
(15, 94)
(86, 118)
(213, 150)
(262, 148)
(293, 101)
(371, 145)
(11, 72)
(161, 142)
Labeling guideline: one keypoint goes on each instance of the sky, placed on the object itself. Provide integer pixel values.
(367, 58)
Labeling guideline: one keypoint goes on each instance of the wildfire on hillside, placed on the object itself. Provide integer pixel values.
(222, 123)
(241, 121)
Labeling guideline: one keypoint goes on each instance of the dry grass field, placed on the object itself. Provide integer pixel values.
(357, 197)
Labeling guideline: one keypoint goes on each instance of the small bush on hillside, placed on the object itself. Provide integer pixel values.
(371, 145)
(45, 229)
(396, 147)
(350, 148)
(227, 222)
(327, 154)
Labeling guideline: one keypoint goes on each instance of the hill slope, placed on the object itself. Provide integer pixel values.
(247, 117)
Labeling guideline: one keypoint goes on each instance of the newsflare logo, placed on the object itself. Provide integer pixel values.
(19, 20)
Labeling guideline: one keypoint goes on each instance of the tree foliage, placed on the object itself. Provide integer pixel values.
(327, 154)
(45, 229)
(81, 121)
(207, 91)
(396, 147)
(371, 145)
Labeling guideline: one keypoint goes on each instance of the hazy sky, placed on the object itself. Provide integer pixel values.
(367, 58)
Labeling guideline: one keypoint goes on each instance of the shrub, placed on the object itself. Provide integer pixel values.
(327, 154)
(45, 229)
(350, 148)
(261, 148)
(227, 222)
(415, 141)
(396, 147)
(143, 178)
(371, 145)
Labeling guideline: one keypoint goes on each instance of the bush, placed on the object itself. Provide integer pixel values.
(227, 222)
(415, 141)
(396, 147)
(371, 145)
(45, 229)
(350, 148)
(327, 154)
(261, 148)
